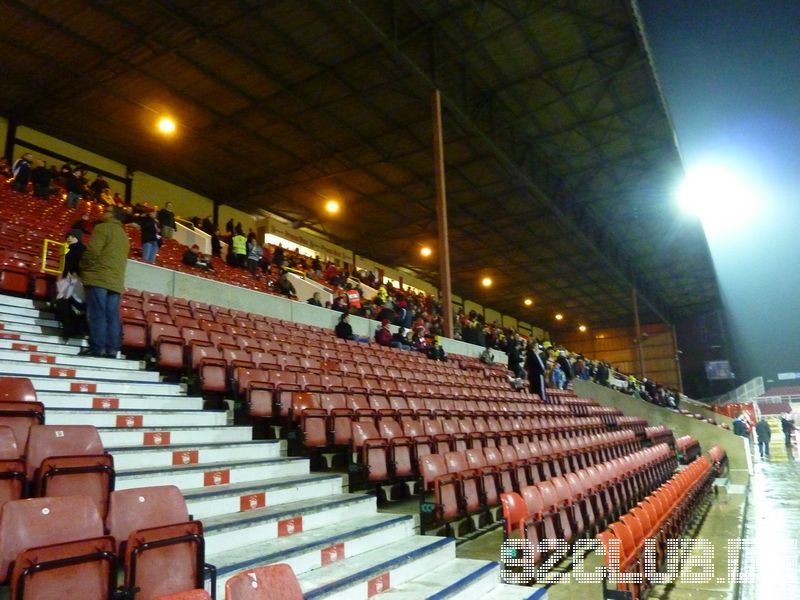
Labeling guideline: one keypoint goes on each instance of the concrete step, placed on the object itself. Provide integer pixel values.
(24, 311)
(33, 355)
(505, 591)
(371, 573)
(211, 474)
(19, 302)
(316, 548)
(59, 349)
(13, 315)
(134, 437)
(458, 578)
(224, 533)
(42, 366)
(58, 382)
(11, 324)
(197, 454)
(228, 499)
(54, 400)
(140, 418)
(37, 338)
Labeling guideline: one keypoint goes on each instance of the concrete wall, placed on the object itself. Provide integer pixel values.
(155, 191)
(708, 435)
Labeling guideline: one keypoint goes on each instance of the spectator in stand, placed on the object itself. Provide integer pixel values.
(286, 286)
(166, 221)
(603, 373)
(764, 434)
(557, 377)
(216, 245)
(229, 230)
(22, 173)
(343, 328)
(41, 179)
(150, 235)
(514, 358)
(102, 269)
(566, 367)
(740, 427)
(400, 340)
(75, 251)
(315, 300)
(207, 226)
(71, 311)
(98, 186)
(316, 266)
(435, 351)
(279, 257)
(787, 427)
(239, 249)
(536, 371)
(84, 225)
(72, 183)
(340, 303)
(253, 255)
(486, 356)
(194, 258)
(383, 336)
(5, 168)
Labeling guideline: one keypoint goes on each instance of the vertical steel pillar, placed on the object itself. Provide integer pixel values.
(446, 296)
(638, 329)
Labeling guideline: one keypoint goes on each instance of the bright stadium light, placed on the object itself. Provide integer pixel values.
(719, 196)
(166, 125)
(333, 207)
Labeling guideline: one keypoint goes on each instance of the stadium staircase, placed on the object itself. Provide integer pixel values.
(258, 506)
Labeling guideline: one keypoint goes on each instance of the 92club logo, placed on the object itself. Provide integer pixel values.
(686, 560)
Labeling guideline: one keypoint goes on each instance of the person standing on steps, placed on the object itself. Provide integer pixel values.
(103, 272)
(764, 434)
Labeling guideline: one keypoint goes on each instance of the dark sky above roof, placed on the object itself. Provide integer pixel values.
(560, 156)
(730, 75)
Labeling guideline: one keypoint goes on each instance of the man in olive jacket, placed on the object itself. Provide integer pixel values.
(103, 273)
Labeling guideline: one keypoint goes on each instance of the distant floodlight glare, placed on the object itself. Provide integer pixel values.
(528, 301)
(166, 125)
(486, 282)
(425, 251)
(581, 328)
(559, 316)
(718, 196)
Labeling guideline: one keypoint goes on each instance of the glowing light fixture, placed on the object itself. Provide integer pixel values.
(559, 317)
(166, 125)
(582, 328)
(425, 251)
(333, 207)
(717, 195)
(486, 282)
(528, 302)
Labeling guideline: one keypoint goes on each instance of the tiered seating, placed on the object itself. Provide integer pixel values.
(659, 434)
(688, 449)
(663, 515)
(577, 504)
(635, 424)
(469, 483)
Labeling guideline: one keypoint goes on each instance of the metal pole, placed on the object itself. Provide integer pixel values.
(441, 215)
(638, 329)
(677, 359)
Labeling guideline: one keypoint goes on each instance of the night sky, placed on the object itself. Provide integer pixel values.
(731, 76)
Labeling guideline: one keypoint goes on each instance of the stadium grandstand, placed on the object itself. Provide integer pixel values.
(399, 315)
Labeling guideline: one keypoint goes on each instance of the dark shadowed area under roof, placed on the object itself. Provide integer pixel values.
(560, 155)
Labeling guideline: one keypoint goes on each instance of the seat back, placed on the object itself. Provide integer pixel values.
(16, 389)
(514, 510)
(273, 582)
(67, 460)
(144, 508)
(12, 468)
(40, 522)
(187, 595)
(165, 560)
(20, 415)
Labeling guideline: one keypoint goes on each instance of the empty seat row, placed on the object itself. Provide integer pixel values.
(663, 515)
(579, 503)
(688, 449)
(464, 482)
(659, 434)
(61, 547)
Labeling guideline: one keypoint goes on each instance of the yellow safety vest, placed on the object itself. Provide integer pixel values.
(239, 244)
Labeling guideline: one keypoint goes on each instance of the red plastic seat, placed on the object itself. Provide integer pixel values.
(12, 468)
(187, 595)
(167, 343)
(19, 409)
(373, 450)
(151, 528)
(69, 460)
(56, 549)
(273, 582)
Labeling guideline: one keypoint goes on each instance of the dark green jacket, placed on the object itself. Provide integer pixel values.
(103, 263)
